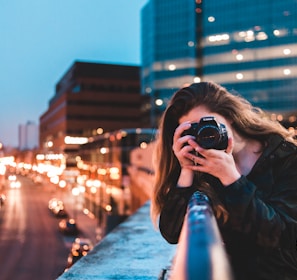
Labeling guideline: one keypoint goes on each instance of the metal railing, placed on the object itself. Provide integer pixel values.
(200, 253)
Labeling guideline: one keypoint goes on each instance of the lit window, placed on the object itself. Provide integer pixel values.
(250, 33)
(225, 37)
(99, 130)
(211, 19)
(212, 38)
(50, 144)
(239, 57)
(143, 145)
(242, 34)
(239, 76)
(280, 32)
(104, 150)
(197, 80)
(219, 37)
(171, 67)
(287, 72)
(287, 51)
(75, 140)
(261, 36)
(191, 44)
(249, 37)
(159, 102)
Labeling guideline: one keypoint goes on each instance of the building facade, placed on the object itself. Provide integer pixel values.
(171, 53)
(248, 47)
(255, 53)
(90, 99)
(28, 136)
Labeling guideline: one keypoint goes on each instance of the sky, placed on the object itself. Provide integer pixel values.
(41, 39)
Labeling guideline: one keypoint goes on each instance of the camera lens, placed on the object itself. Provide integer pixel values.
(208, 137)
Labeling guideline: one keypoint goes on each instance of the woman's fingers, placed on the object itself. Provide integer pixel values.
(180, 129)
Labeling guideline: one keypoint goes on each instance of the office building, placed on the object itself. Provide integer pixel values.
(254, 53)
(170, 50)
(248, 47)
(28, 136)
(90, 99)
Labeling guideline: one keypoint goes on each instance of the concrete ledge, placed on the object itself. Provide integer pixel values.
(133, 250)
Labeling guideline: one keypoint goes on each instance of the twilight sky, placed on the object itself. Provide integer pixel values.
(40, 40)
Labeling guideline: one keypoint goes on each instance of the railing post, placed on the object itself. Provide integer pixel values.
(200, 252)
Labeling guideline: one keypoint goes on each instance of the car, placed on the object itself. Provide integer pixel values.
(12, 178)
(2, 199)
(60, 213)
(14, 183)
(68, 227)
(80, 248)
(54, 203)
(56, 206)
(37, 179)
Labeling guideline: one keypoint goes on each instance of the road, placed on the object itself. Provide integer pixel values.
(31, 245)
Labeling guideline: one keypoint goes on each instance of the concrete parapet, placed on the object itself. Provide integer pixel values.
(133, 250)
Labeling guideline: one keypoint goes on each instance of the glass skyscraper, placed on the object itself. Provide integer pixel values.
(250, 47)
(170, 56)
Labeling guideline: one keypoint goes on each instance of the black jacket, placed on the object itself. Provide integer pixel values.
(261, 233)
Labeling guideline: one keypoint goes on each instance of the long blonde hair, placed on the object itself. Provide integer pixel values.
(247, 120)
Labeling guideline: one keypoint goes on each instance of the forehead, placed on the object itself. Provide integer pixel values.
(196, 114)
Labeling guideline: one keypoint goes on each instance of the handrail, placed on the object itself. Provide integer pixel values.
(200, 252)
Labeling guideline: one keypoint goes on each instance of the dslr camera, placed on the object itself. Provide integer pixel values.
(209, 134)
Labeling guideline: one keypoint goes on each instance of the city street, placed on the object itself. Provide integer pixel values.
(30, 242)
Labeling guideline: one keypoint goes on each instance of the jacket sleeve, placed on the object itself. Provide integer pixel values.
(266, 211)
(173, 213)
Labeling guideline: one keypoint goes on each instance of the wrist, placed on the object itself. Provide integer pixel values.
(185, 178)
(230, 180)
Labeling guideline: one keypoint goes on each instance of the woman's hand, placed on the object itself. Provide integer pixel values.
(180, 146)
(181, 149)
(218, 163)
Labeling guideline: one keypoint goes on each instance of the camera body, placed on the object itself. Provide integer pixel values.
(209, 133)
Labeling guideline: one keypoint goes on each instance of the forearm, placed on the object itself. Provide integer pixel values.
(173, 212)
(251, 215)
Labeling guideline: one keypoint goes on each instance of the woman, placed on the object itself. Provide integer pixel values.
(251, 182)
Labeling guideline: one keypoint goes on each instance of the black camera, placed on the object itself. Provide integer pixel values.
(209, 134)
